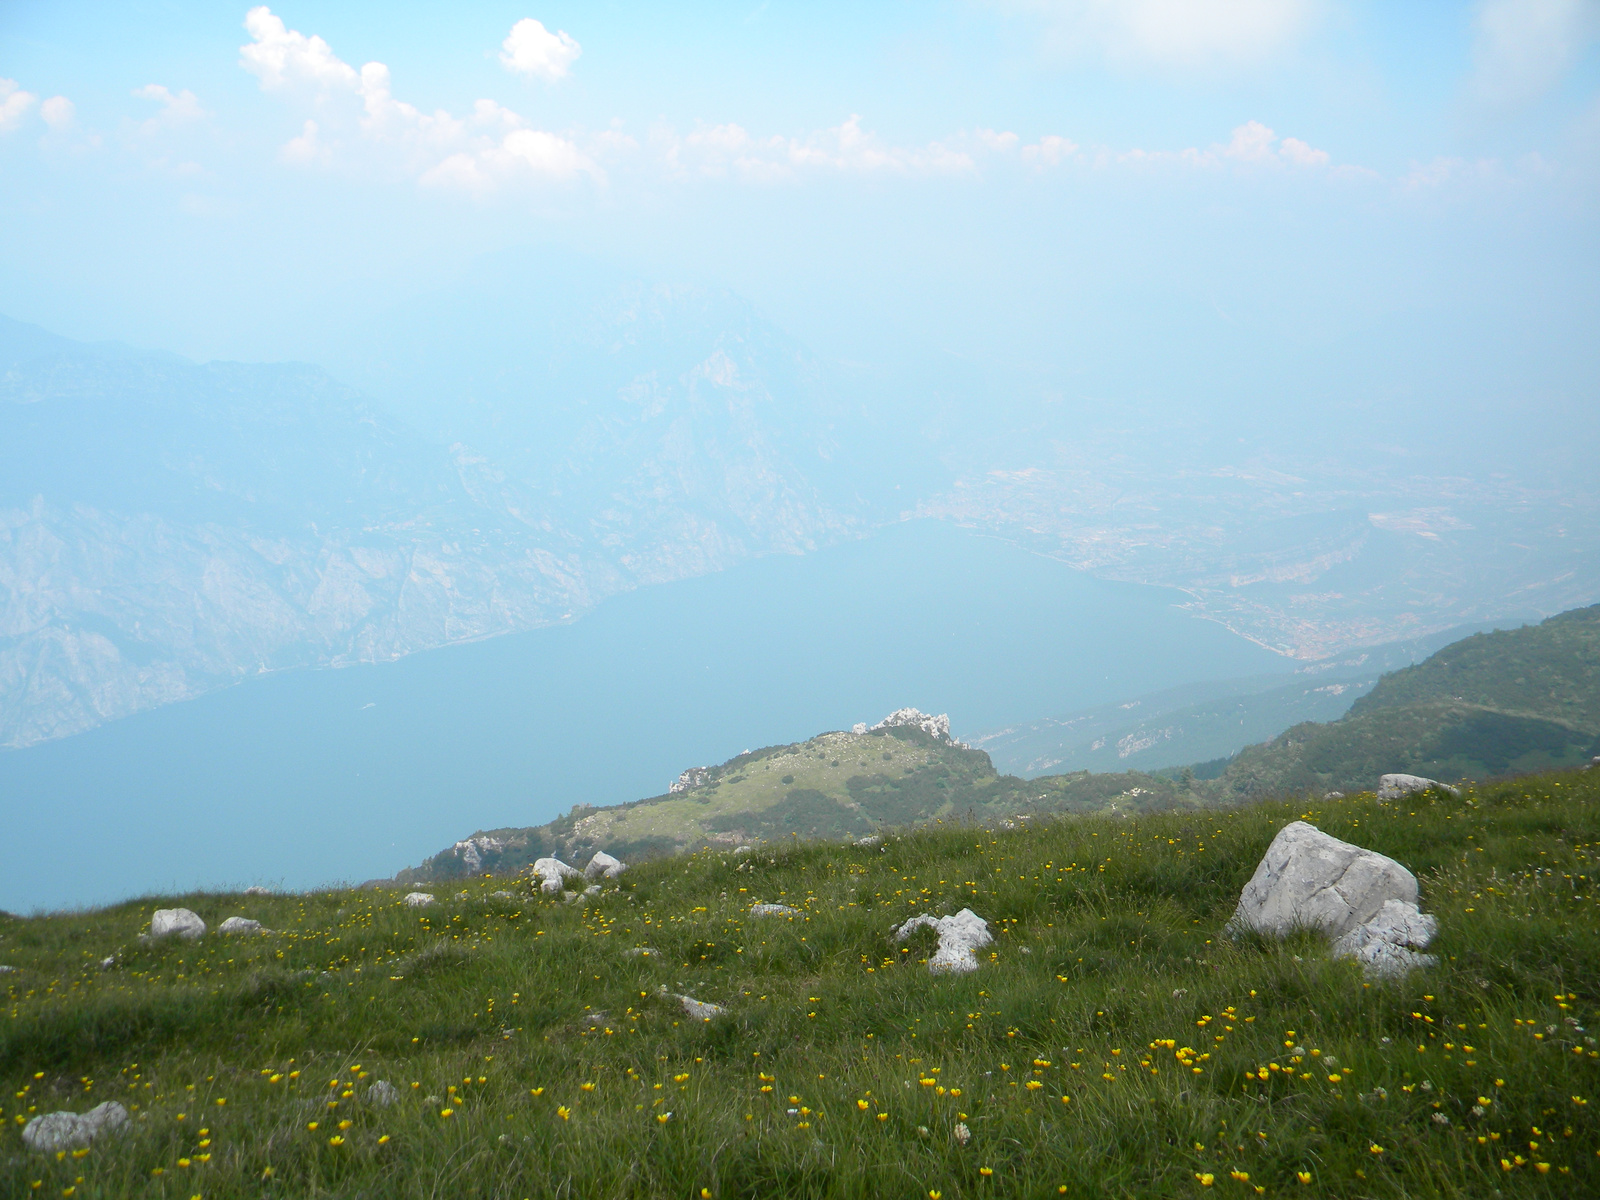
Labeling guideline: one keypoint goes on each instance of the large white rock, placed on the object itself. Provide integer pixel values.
(416, 899)
(57, 1131)
(1392, 787)
(167, 922)
(1311, 880)
(1387, 945)
(553, 874)
(602, 865)
(960, 939)
(241, 925)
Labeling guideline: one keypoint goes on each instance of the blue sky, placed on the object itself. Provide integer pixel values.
(1044, 189)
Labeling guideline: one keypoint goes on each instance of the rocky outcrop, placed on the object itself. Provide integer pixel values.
(176, 922)
(58, 1131)
(692, 778)
(474, 850)
(1365, 902)
(1393, 787)
(937, 727)
(960, 938)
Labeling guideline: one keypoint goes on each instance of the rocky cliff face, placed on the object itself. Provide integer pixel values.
(167, 527)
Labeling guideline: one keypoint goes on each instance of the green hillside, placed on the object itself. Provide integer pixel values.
(1113, 1041)
(1490, 705)
(831, 787)
(1550, 670)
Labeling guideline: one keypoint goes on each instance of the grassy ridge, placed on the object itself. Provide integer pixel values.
(1112, 1043)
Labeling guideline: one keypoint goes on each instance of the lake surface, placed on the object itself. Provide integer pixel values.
(310, 777)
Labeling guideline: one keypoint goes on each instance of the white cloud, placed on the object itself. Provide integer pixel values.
(279, 56)
(306, 148)
(1049, 151)
(1186, 33)
(531, 49)
(1252, 143)
(177, 108)
(475, 152)
(999, 142)
(58, 113)
(14, 104)
(844, 148)
(1525, 47)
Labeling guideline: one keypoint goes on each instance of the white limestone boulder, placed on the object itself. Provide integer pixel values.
(382, 1093)
(1393, 787)
(417, 899)
(176, 922)
(57, 1131)
(603, 866)
(1311, 880)
(960, 939)
(241, 925)
(1387, 946)
(773, 910)
(553, 875)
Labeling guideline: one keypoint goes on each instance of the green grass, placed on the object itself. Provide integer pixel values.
(536, 1058)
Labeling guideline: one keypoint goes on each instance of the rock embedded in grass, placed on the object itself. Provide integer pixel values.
(241, 925)
(553, 875)
(257, 890)
(1393, 787)
(58, 1131)
(773, 910)
(176, 922)
(960, 938)
(1386, 946)
(602, 865)
(383, 1093)
(1311, 880)
(417, 899)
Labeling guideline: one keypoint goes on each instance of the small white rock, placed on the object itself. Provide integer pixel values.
(642, 952)
(553, 875)
(602, 865)
(1392, 787)
(873, 839)
(960, 938)
(257, 890)
(241, 925)
(5, 970)
(57, 1131)
(701, 1010)
(180, 922)
(773, 910)
(501, 896)
(417, 899)
(382, 1092)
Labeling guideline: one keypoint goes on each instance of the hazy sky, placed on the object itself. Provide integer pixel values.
(1267, 191)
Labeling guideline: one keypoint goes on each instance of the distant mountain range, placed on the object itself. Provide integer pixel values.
(1518, 700)
(168, 527)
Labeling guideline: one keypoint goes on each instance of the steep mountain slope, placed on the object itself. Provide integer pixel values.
(168, 527)
(835, 785)
(1493, 704)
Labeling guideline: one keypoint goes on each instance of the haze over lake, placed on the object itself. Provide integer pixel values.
(308, 777)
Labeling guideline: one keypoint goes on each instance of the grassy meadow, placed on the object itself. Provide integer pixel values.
(1114, 1042)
